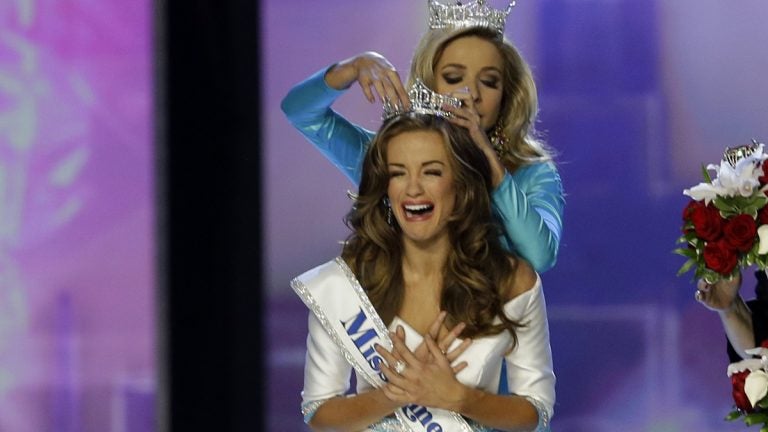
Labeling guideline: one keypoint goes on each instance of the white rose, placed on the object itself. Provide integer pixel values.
(756, 386)
(762, 233)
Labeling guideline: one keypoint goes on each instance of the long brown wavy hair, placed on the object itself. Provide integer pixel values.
(477, 267)
(519, 104)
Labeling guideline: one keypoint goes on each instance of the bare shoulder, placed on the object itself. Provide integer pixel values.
(524, 280)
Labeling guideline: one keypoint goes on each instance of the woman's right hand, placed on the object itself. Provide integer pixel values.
(720, 296)
(374, 73)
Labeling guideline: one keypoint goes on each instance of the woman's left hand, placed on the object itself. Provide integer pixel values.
(468, 118)
(427, 383)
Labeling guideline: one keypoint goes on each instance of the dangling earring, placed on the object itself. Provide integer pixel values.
(389, 210)
(499, 141)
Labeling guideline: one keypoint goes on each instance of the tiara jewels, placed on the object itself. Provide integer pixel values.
(476, 13)
(423, 101)
(734, 155)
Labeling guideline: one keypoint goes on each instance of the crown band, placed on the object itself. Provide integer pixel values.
(473, 14)
(423, 101)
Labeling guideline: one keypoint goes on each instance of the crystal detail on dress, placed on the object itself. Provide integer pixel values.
(423, 101)
(541, 410)
(473, 14)
(390, 424)
(308, 409)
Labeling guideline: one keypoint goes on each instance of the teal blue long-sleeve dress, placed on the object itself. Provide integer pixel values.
(528, 203)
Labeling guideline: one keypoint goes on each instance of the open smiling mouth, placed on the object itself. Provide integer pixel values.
(418, 209)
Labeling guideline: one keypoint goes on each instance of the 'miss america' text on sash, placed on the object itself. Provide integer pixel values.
(364, 338)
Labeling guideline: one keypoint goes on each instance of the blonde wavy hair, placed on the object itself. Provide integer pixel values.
(477, 267)
(519, 104)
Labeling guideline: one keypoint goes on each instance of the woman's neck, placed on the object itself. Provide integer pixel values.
(425, 261)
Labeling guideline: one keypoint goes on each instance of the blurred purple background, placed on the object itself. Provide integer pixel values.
(635, 95)
(76, 217)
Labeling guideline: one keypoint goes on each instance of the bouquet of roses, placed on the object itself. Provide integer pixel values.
(750, 388)
(725, 225)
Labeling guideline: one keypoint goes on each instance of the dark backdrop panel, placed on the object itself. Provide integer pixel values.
(209, 138)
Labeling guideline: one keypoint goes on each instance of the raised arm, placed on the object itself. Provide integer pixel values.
(308, 107)
(529, 205)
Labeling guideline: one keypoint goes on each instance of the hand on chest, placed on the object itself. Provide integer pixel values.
(483, 356)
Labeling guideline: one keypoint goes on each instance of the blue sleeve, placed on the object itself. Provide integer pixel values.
(308, 108)
(529, 205)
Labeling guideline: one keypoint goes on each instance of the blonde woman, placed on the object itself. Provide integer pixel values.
(479, 66)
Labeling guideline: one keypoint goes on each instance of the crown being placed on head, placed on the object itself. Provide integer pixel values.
(476, 13)
(423, 101)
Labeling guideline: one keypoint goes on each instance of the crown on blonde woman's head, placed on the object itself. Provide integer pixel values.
(475, 13)
(423, 101)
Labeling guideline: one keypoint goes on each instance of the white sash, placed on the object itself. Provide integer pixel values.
(334, 295)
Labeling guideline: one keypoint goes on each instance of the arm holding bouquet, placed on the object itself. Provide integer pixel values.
(723, 297)
(725, 230)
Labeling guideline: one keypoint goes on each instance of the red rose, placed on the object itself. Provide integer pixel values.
(720, 257)
(762, 215)
(707, 222)
(764, 344)
(692, 206)
(742, 402)
(739, 232)
(763, 179)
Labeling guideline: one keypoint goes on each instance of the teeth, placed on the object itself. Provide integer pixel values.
(420, 207)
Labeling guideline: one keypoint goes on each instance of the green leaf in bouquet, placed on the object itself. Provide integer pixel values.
(709, 276)
(726, 207)
(733, 415)
(759, 200)
(759, 197)
(685, 267)
(687, 252)
(763, 403)
(752, 209)
(755, 418)
(690, 237)
(747, 205)
(764, 429)
(762, 262)
(705, 174)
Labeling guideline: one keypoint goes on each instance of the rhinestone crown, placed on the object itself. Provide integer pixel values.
(734, 155)
(475, 13)
(423, 101)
